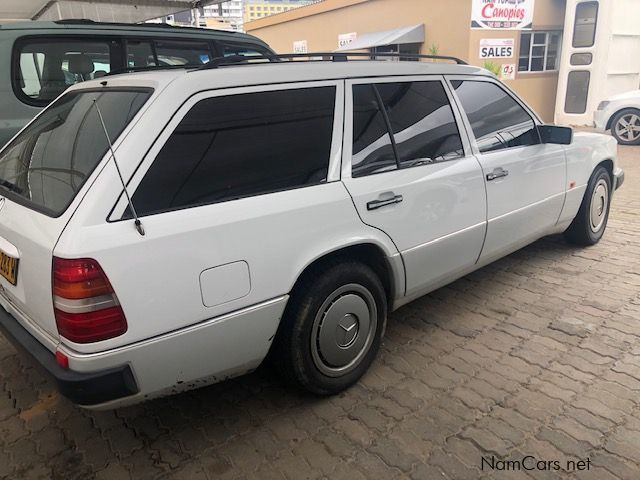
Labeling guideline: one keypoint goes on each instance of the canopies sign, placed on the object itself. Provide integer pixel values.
(502, 14)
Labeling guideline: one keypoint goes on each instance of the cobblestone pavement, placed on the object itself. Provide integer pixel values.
(535, 357)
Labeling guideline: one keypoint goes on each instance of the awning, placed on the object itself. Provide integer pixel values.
(414, 34)
(129, 11)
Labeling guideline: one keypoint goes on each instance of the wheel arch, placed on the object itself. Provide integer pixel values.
(389, 269)
(608, 164)
(620, 110)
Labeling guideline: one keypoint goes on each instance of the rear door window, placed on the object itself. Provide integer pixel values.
(401, 125)
(236, 146)
(48, 162)
(47, 67)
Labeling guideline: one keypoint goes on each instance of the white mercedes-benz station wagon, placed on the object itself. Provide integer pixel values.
(278, 208)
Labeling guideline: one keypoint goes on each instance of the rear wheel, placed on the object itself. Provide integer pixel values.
(590, 223)
(332, 327)
(625, 127)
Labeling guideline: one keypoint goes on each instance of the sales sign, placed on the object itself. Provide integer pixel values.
(300, 46)
(502, 14)
(508, 71)
(496, 47)
(345, 39)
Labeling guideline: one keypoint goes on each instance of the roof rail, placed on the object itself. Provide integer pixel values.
(88, 21)
(319, 57)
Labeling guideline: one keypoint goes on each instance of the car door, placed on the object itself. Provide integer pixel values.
(525, 179)
(411, 175)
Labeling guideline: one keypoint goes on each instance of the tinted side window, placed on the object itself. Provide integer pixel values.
(236, 146)
(237, 49)
(47, 67)
(497, 120)
(146, 53)
(422, 120)
(171, 52)
(140, 54)
(372, 148)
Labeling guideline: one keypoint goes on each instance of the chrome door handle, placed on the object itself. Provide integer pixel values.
(375, 204)
(497, 173)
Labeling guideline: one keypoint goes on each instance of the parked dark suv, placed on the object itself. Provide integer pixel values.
(39, 60)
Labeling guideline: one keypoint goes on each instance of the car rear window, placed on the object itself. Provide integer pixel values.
(47, 163)
(47, 67)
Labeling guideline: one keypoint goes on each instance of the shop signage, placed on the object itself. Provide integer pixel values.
(345, 39)
(300, 46)
(508, 71)
(496, 47)
(502, 14)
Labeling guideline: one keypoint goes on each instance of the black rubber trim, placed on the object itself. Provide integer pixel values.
(619, 180)
(87, 389)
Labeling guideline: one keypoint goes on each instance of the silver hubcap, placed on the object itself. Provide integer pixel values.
(628, 127)
(599, 205)
(343, 330)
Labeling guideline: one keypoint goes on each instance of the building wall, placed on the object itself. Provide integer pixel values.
(255, 9)
(538, 89)
(616, 57)
(447, 26)
(446, 23)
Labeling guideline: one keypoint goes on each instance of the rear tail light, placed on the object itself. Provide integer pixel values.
(86, 307)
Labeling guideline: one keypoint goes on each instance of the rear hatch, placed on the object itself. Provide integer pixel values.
(43, 172)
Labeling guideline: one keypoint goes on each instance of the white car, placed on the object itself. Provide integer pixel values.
(621, 115)
(280, 208)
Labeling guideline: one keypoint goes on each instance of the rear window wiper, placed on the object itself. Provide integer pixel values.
(12, 187)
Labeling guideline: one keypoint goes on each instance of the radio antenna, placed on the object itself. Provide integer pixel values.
(137, 221)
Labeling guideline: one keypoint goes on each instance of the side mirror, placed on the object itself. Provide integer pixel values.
(555, 135)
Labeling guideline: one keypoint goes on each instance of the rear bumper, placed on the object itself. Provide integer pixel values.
(86, 388)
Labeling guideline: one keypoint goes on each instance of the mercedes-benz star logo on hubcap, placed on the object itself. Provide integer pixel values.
(347, 331)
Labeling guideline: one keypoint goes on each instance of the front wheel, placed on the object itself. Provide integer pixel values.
(332, 328)
(590, 223)
(625, 127)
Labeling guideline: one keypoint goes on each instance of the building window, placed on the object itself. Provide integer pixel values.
(584, 30)
(577, 91)
(539, 51)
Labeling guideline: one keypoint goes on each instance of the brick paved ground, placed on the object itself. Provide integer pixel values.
(535, 355)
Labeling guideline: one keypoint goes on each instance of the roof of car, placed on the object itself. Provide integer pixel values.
(70, 25)
(277, 72)
(184, 83)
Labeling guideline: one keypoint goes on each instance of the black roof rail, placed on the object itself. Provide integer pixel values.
(88, 21)
(318, 57)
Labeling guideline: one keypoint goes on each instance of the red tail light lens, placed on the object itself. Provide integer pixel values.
(86, 307)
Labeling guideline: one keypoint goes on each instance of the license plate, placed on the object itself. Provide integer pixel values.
(9, 268)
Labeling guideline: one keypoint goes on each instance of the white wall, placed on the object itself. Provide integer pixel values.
(616, 56)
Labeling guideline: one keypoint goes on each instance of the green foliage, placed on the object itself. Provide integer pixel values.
(493, 67)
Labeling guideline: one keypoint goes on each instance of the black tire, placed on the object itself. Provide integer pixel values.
(632, 138)
(584, 230)
(307, 321)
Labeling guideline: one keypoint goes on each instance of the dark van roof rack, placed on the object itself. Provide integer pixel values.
(319, 57)
(88, 21)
